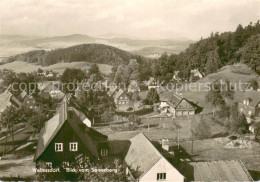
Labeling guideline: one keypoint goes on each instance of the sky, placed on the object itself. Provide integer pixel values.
(142, 19)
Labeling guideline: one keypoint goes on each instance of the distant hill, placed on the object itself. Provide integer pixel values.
(154, 52)
(11, 45)
(68, 38)
(94, 53)
(145, 43)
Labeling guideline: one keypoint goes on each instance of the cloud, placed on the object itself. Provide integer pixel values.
(141, 18)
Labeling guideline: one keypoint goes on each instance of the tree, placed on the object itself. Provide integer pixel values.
(94, 70)
(202, 130)
(107, 115)
(134, 119)
(9, 118)
(37, 120)
(254, 84)
(152, 97)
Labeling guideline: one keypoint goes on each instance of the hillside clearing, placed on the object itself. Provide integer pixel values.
(19, 66)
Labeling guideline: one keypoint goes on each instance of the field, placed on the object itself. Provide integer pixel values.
(19, 66)
(161, 127)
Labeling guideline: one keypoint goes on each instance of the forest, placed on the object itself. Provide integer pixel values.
(214, 52)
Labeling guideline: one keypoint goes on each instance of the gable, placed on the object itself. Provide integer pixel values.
(184, 104)
(163, 166)
(62, 136)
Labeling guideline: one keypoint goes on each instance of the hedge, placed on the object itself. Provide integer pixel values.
(139, 112)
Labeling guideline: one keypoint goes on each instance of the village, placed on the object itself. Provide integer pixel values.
(131, 122)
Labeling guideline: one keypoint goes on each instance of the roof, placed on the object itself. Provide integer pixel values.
(142, 155)
(112, 90)
(175, 100)
(118, 94)
(22, 95)
(134, 86)
(5, 100)
(149, 81)
(116, 148)
(50, 130)
(52, 127)
(16, 102)
(220, 171)
(253, 95)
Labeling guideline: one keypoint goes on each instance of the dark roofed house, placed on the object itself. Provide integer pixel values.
(56, 146)
(177, 106)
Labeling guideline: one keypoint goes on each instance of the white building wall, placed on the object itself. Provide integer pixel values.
(163, 166)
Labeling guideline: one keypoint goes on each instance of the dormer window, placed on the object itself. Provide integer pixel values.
(104, 152)
(58, 147)
(74, 146)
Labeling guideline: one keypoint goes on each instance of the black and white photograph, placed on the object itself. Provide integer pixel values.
(130, 90)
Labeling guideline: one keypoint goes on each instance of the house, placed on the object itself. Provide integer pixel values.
(220, 171)
(249, 105)
(5, 100)
(152, 83)
(27, 101)
(133, 87)
(177, 106)
(50, 89)
(148, 163)
(49, 73)
(176, 77)
(55, 148)
(121, 98)
(195, 74)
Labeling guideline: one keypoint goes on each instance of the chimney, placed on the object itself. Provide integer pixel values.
(165, 144)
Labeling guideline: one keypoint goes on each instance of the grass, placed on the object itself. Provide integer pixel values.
(19, 66)
(164, 127)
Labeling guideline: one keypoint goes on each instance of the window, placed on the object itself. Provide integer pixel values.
(244, 102)
(104, 152)
(74, 146)
(58, 147)
(65, 164)
(161, 176)
(49, 164)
